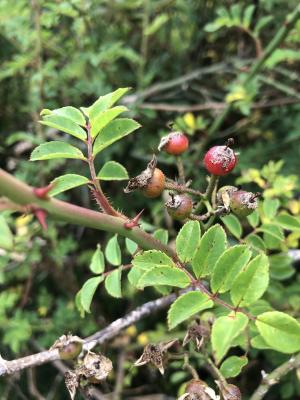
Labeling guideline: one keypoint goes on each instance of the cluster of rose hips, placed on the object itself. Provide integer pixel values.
(218, 161)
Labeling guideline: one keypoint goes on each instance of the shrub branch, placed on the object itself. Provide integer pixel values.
(274, 377)
(111, 331)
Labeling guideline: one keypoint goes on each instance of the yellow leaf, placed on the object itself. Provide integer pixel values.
(143, 339)
(294, 207)
(189, 120)
(24, 220)
(239, 93)
(292, 240)
(131, 331)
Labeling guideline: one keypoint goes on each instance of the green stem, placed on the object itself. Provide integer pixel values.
(99, 195)
(22, 194)
(180, 168)
(213, 181)
(182, 189)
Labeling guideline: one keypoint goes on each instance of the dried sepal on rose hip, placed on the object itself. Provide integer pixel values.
(68, 346)
(197, 333)
(197, 389)
(174, 143)
(155, 354)
(229, 391)
(220, 160)
(92, 369)
(179, 206)
(151, 181)
(224, 195)
(243, 203)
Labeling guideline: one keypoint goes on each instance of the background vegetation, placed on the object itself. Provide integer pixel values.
(185, 61)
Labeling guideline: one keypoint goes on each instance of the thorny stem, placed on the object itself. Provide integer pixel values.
(99, 195)
(182, 189)
(23, 195)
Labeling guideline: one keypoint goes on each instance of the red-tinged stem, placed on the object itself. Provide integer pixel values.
(22, 194)
(99, 195)
(216, 299)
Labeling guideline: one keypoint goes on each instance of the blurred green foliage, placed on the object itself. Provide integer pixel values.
(185, 61)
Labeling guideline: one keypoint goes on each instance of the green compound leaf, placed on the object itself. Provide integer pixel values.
(97, 264)
(131, 246)
(113, 283)
(152, 258)
(134, 276)
(87, 292)
(281, 266)
(224, 331)
(272, 230)
(289, 222)
(255, 242)
(233, 225)
(69, 112)
(67, 182)
(280, 331)
(169, 276)
(114, 131)
(232, 366)
(113, 171)
(55, 149)
(6, 237)
(113, 251)
(270, 207)
(187, 305)
(104, 102)
(188, 240)
(104, 118)
(251, 283)
(253, 219)
(65, 125)
(212, 245)
(259, 343)
(162, 235)
(230, 263)
(147, 260)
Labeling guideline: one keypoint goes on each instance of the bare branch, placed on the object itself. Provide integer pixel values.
(112, 330)
(274, 377)
(215, 105)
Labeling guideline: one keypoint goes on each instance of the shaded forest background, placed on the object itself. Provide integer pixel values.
(185, 61)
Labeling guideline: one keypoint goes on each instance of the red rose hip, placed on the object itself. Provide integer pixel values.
(175, 143)
(220, 160)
